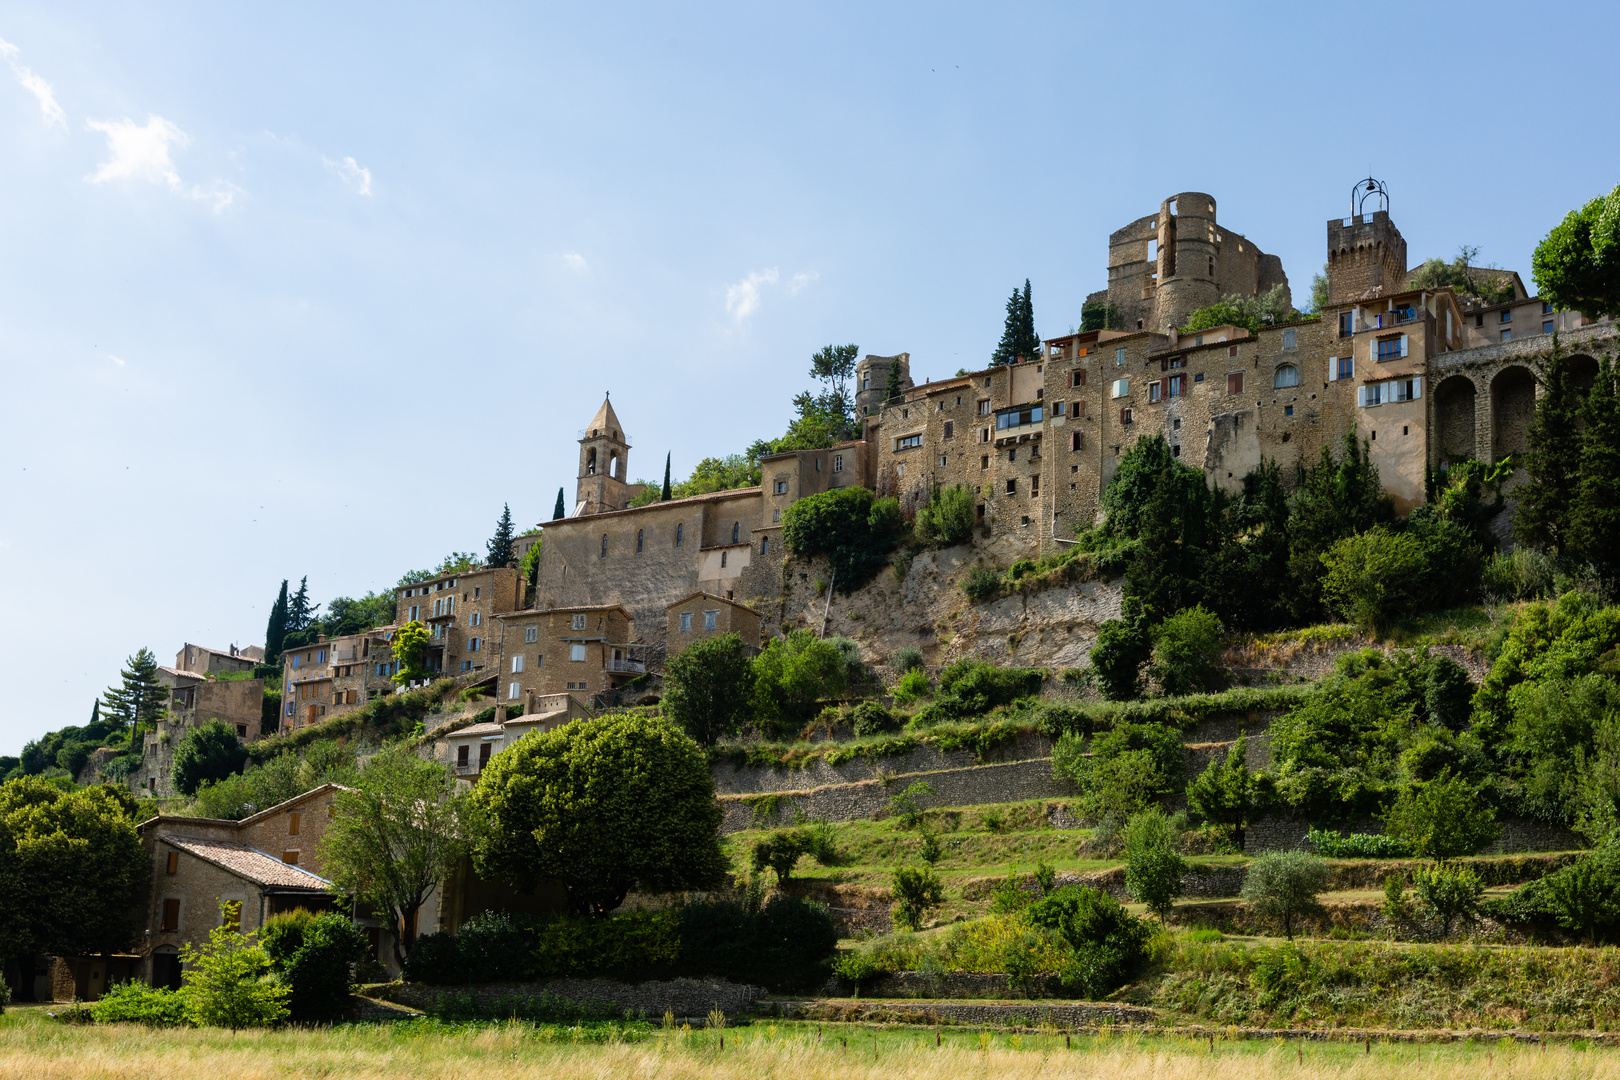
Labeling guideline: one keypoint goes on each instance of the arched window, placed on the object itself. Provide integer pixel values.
(1287, 375)
(640, 533)
(736, 529)
(604, 546)
(614, 469)
(680, 527)
(590, 462)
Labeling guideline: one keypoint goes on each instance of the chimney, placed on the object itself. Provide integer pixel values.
(1174, 336)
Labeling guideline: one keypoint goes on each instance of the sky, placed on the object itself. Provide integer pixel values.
(316, 289)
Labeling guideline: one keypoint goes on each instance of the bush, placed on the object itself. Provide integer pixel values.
(136, 1003)
(1153, 869)
(209, 753)
(907, 658)
(1448, 693)
(229, 983)
(1334, 845)
(949, 517)
(970, 688)
(792, 677)
(913, 685)
(871, 718)
(907, 807)
(917, 890)
(316, 956)
(780, 850)
(853, 528)
(707, 688)
(982, 584)
(1585, 896)
(625, 943)
(1375, 577)
(1109, 942)
(1284, 885)
(1448, 892)
(1442, 818)
(785, 946)
(1185, 648)
(1127, 770)
(1117, 659)
(435, 960)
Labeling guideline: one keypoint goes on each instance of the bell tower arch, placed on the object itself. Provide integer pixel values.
(604, 464)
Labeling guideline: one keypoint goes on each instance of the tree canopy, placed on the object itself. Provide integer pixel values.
(139, 698)
(851, 526)
(1577, 265)
(500, 545)
(1251, 312)
(708, 687)
(1018, 337)
(209, 753)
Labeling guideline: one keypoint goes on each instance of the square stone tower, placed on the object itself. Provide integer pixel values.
(604, 462)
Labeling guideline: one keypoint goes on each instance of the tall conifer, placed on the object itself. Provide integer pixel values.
(1018, 337)
(140, 698)
(1595, 517)
(275, 631)
(664, 496)
(1554, 459)
(500, 545)
(558, 511)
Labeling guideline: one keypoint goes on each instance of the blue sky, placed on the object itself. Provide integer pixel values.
(313, 289)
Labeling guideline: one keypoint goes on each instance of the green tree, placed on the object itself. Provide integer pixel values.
(1585, 896)
(1153, 867)
(275, 631)
(1116, 659)
(1284, 885)
(601, 806)
(140, 698)
(1100, 316)
(1442, 818)
(664, 493)
(1227, 793)
(792, 677)
(1577, 265)
(949, 517)
(1594, 521)
(73, 874)
(708, 688)
(851, 527)
(558, 511)
(1319, 291)
(1127, 770)
(1375, 577)
(1251, 312)
(1018, 338)
(917, 891)
(316, 957)
(907, 807)
(500, 545)
(300, 612)
(1337, 497)
(1186, 648)
(1553, 460)
(228, 981)
(410, 646)
(346, 615)
(833, 366)
(780, 850)
(209, 753)
(395, 835)
(1488, 283)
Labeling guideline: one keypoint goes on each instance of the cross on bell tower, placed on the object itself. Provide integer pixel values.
(604, 462)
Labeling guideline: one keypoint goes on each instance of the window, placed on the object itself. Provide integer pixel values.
(1287, 375)
(477, 619)
(1178, 385)
(776, 513)
(907, 442)
(723, 560)
(680, 527)
(984, 406)
(1547, 327)
(950, 429)
(1122, 387)
(781, 487)
(461, 756)
(1077, 378)
(1506, 316)
(511, 690)
(1119, 357)
(241, 729)
(838, 463)
(576, 653)
(1012, 453)
(735, 526)
(473, 643)
(172, 866)
(984, 461)
(579, 622)
(1155, 390)
(1077, 440)
(1035, 485)
(1059, 409)
(1125, 417)
(294, 819)
(710, 619)
(1391, 348)
(1346, 367)
(531, 634)
(686, 622)
(1012, 486)
(1546, 309)
(640, 535)
(416, 613)
(517, 664)
(764, 546)
(171, 916)
(984, 434)
(604, 547)
(1232, 352)
(942, 461)
(1290, 339)
(1347, 323)
(1288, 410)
(1507, 333)
(1010, 418)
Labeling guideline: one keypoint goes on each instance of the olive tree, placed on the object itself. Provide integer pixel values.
(1284, 885)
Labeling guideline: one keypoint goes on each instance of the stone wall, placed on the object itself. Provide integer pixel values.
(1034, 1014)
(687, 998)
(731, 780)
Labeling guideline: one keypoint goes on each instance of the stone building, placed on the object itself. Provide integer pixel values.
(467, 750)
(205, 684)
(328, 678)
(583, 649)
(704, 615)
(459, 611)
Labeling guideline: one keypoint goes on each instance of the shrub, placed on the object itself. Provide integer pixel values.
(907, 807)
(949, 517)
(1010, 895)
(209, 753)
(316, 956)
(1153, 869)
(780, 850)
(917, 890)
(913, 685)
(792, 677)
(1334, 845)
(136, 1003)
(624, 943)
(1448, 892)
(784, 946)
(871, 718)
(970, 688)
(229, 983)
(1117, 659)
(1442, 818)
(1109, 942)
(854, 529)
(708, 687)
(1585, 896)
(1128, 769)
(982, 584)
(1375, 577)
(1284, 885)
(1227, 793)
(1448, 693)
(435, 960)
(858, 968)
(1185, 648)
(908, 658)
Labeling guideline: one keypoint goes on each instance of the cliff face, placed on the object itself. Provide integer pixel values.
(1055, 627)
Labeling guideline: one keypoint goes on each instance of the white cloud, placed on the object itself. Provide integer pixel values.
(800, 281)
(142, 153)
(115, 359)
(34, 85)
(575, 261)
(742, 298)
(353, 173)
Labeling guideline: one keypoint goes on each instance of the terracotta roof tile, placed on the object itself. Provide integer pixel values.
(246, 862)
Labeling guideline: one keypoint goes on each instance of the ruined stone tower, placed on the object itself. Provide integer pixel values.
(872, 381)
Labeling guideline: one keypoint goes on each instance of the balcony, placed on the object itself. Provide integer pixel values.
(634, 667)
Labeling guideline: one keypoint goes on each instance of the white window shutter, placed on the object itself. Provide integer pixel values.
(1403, 344)
(1333, 369)
(1417, 387)
(1361, 396)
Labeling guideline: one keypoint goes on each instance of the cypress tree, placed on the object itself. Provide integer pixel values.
(893, 391)
(1018, 337)
(1595, 516)
(558, 511)
(500, 545)
(1546, 501)
(275, 631)
(664, 495)
(299, 612)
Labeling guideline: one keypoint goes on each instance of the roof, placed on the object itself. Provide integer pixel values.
(294, 801)
(247, 862)
(710, 596)
(183, 674)
(606, 421)
(708, 496)
(479, 569)
(490, 728)
(237, 655)
(564, 610)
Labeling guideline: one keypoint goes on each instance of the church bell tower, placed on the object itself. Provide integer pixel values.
(604, 462)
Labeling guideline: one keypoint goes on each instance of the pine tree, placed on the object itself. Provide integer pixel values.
(275, 631)
(500, 545)
(1018, 337)
(558, 511)
(141, 698)
(1546, 501)
(664, 495)
(893, 390)
(300, 613)
(1594, 519)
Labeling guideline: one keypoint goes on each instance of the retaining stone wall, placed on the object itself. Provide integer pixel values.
(1034, 1014)
(752, 779)
(683, 997)
(1275, 833)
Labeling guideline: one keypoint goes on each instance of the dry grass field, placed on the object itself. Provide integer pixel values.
(33, 1046)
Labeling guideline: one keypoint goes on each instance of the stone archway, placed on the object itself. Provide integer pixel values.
(1582, 373)
(1454, 418)
(1513, 406)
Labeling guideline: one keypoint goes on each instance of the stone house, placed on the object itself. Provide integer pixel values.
(459, 611)
(705, 615)
(328, 678)
(465, 751)
(584, 650)
(202, 660)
